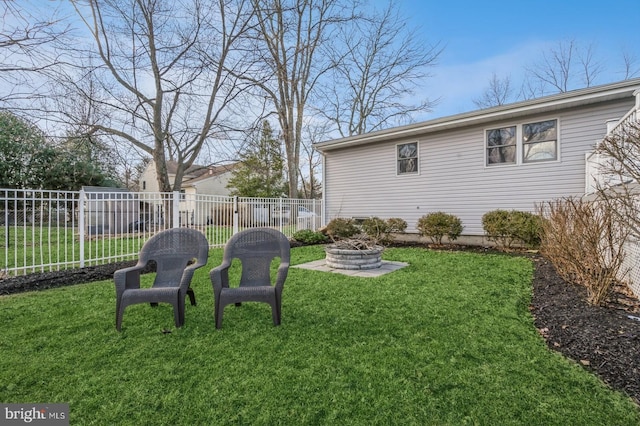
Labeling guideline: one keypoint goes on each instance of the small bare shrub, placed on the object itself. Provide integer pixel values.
(341, 228)
(585, 244)
(380, 230)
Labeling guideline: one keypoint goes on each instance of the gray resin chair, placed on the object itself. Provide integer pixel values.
(255, 248)
(177, 252)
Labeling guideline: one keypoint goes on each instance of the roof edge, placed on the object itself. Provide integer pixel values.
(586, 96)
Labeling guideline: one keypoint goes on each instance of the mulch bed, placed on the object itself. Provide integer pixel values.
(605, 340)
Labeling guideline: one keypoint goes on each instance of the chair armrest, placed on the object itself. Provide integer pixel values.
(283, 270)
(220, 276)
(187, 274)
(128, 277)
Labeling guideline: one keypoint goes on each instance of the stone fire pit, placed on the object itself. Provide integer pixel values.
(353, 259)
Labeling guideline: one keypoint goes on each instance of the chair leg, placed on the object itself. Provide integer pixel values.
(118, 319)
(120, 307)
(192, 296)
(277, 310)
(219, 310)
(177, 316)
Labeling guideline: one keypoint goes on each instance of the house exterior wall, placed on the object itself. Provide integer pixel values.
(203, 184)
(148, 181)
(214, 185)
(361, 181)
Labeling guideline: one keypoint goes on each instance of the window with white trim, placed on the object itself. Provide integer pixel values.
(522, 143)
(407, 158)
(540, 141)
(501, 146)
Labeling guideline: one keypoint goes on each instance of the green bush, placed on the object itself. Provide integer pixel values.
(340, 228)
(527, 227)
(379, 230)
(437, 225)
(307, 236)
(506, 228)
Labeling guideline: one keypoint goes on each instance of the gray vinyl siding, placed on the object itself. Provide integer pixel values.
(361, 181)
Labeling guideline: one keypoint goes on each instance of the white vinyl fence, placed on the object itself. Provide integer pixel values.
(42, 231)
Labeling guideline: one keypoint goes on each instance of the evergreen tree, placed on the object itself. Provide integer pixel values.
(261, 169)
(28, 160)
(21, 146)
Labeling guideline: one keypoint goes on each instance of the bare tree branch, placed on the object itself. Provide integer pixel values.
(564, 67)
(376, 74)
(27, 33)
(287, 42)
(498, 93)
(163, 77)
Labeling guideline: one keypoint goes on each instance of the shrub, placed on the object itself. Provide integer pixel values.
(506, 228)
(379, 230)
(397, 224)
(307, 236)
(585, 243)
(339, 228)
(437, 225)
(527, 227)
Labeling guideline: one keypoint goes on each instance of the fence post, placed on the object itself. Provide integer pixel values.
(176, 209)
(314, 219)
(81, 227)
(235, 215)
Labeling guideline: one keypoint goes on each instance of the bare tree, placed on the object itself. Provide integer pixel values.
(288, 40)
(619, 172)
(564, 67)
(376, 72)
(498, 93)
(631, 64)
(27, 32)
(312, 160)
(163, 73)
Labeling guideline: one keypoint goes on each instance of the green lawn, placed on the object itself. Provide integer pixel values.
(448, 340)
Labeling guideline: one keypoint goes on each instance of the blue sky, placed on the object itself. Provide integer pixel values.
(482, 37)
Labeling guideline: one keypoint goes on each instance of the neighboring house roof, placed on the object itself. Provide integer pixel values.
(194, 171)
(103, 189)
(551, 103)
(208, 173)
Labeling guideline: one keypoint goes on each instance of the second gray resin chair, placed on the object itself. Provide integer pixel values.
(177, 252)
(255, 248)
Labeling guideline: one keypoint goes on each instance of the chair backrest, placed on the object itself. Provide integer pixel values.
(172, 250)
(256, 248)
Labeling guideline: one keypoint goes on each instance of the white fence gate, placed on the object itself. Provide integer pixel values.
(44, 231)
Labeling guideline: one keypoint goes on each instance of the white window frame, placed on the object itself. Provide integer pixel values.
(520, 161)
(416, 157)
(486, 146)
(556, 140)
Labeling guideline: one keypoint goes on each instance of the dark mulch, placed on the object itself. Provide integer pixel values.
(47, 280)
(604, 340)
